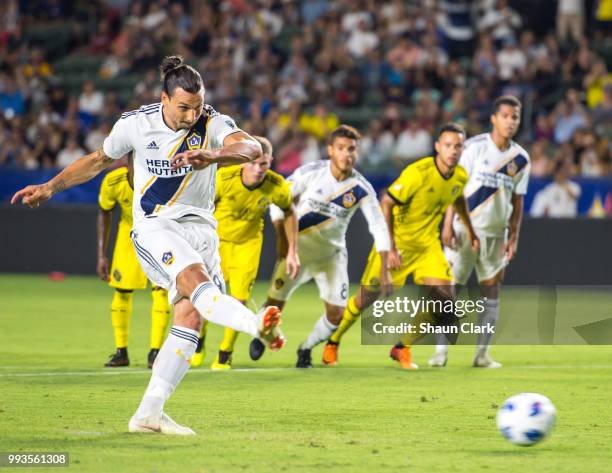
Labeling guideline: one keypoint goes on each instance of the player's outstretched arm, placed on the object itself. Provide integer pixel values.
(238, 148)
(103, 229)
(290, 227)
(461, 208)
(516, 218)
(448, 232)
(80, 171)
(386, 205)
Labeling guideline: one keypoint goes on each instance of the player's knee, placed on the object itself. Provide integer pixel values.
(186, 315)
(190, 277)
(334, 316)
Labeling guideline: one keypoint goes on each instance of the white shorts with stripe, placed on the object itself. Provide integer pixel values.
(165, 247)
(330, 274)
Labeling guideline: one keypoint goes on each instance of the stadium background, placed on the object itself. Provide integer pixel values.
(292, 71)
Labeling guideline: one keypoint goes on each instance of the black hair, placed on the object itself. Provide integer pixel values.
(506, 100)
(175, 73)
(452, 128)
(344, 131)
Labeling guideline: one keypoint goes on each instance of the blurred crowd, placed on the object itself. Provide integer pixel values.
(293, 70)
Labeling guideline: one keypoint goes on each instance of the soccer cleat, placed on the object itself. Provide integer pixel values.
(304, 358)
(256, 349)
(197, 359)
(119, 358)
(151, 357)
(484, 360)
(330, 353)
(223, 361)
(158, 424)
(403, 356)
(268, 326)
(438, 360)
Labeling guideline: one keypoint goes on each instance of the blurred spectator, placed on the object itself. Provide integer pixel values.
(570, 19)
(361, 40)
(375, 147)
(560, 198)
(541, 165)
(511, 60)
(413, 143)
(70, 153)
(501, 21)
(91, 101)
(12, 101)
(319, 123)
(569, 115)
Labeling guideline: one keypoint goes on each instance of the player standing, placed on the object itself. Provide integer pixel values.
(125, 274)
(243, 194)
(499, 175)
(177, 146)
(327, 195)
(413, 208)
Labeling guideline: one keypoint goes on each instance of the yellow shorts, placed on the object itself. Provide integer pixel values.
(422, 263)
(239, 263)
(125, 270)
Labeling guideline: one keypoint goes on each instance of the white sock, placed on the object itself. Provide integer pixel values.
(223, 310)
(441, 344)
(322, 330)
(170, 366)
(488, 316)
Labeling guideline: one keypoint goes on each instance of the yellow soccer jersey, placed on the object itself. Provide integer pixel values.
(240, 210)
(422, 195)
(116, 190)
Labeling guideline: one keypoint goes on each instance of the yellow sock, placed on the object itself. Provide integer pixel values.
(160, 314)
(422, 317)
(229, 339)
(351, 313)
(121, 311)
(202, 335)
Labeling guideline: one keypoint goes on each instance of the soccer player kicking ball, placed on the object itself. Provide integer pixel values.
(125, 274)
(327, 195)
(499, 174)
(177, 146)
(243, 194)
(413, 208)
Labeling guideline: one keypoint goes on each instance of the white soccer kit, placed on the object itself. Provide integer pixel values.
(325, 207)
(174, 223)
(494, 176)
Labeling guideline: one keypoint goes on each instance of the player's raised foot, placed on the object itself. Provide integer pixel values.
(438, 360)
(256, 349)
(223, 361)
(330, 353)
(197, 359)
(158, 424)
(304, 358)
(119, 358)
(403, 356)
(151, 357)
(484, 360)
(269, 330)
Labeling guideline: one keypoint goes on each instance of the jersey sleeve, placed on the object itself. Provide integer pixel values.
(118, 142)
(107, 198)
(219, 127)
(281, 196)
(376, 220)
(404, 187)
(467, 158)
(521, 186)
(296, 183)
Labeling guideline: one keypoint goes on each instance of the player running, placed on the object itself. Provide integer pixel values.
(499, 174)
(413, 207)
(125, 274)
(327, 195)
(177, 146)
(243, 194)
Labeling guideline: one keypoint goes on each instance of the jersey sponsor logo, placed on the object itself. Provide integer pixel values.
(167, 258)
(152, 145)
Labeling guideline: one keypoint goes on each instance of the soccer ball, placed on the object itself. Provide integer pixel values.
(526, 419)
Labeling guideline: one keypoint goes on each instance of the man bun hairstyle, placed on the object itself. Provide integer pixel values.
(175, 73)
(344, 131)
(506, 100)
(452, 128)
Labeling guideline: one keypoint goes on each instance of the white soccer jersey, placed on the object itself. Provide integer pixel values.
(158, 189)
(494, 176)
(326, 206)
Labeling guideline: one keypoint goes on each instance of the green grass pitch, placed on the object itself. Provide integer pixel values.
(365, 415)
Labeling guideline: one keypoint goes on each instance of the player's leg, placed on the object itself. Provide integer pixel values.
(461, 260)
(322, 330)
(200, 353)
(160, 316)
(281, 288)
(121, 312)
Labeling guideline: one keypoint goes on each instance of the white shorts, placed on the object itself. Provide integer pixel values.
(489, 261)
(330, 274)
(165, 247)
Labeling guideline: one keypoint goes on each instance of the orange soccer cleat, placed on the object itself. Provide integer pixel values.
(330, 354)
(402, 355)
